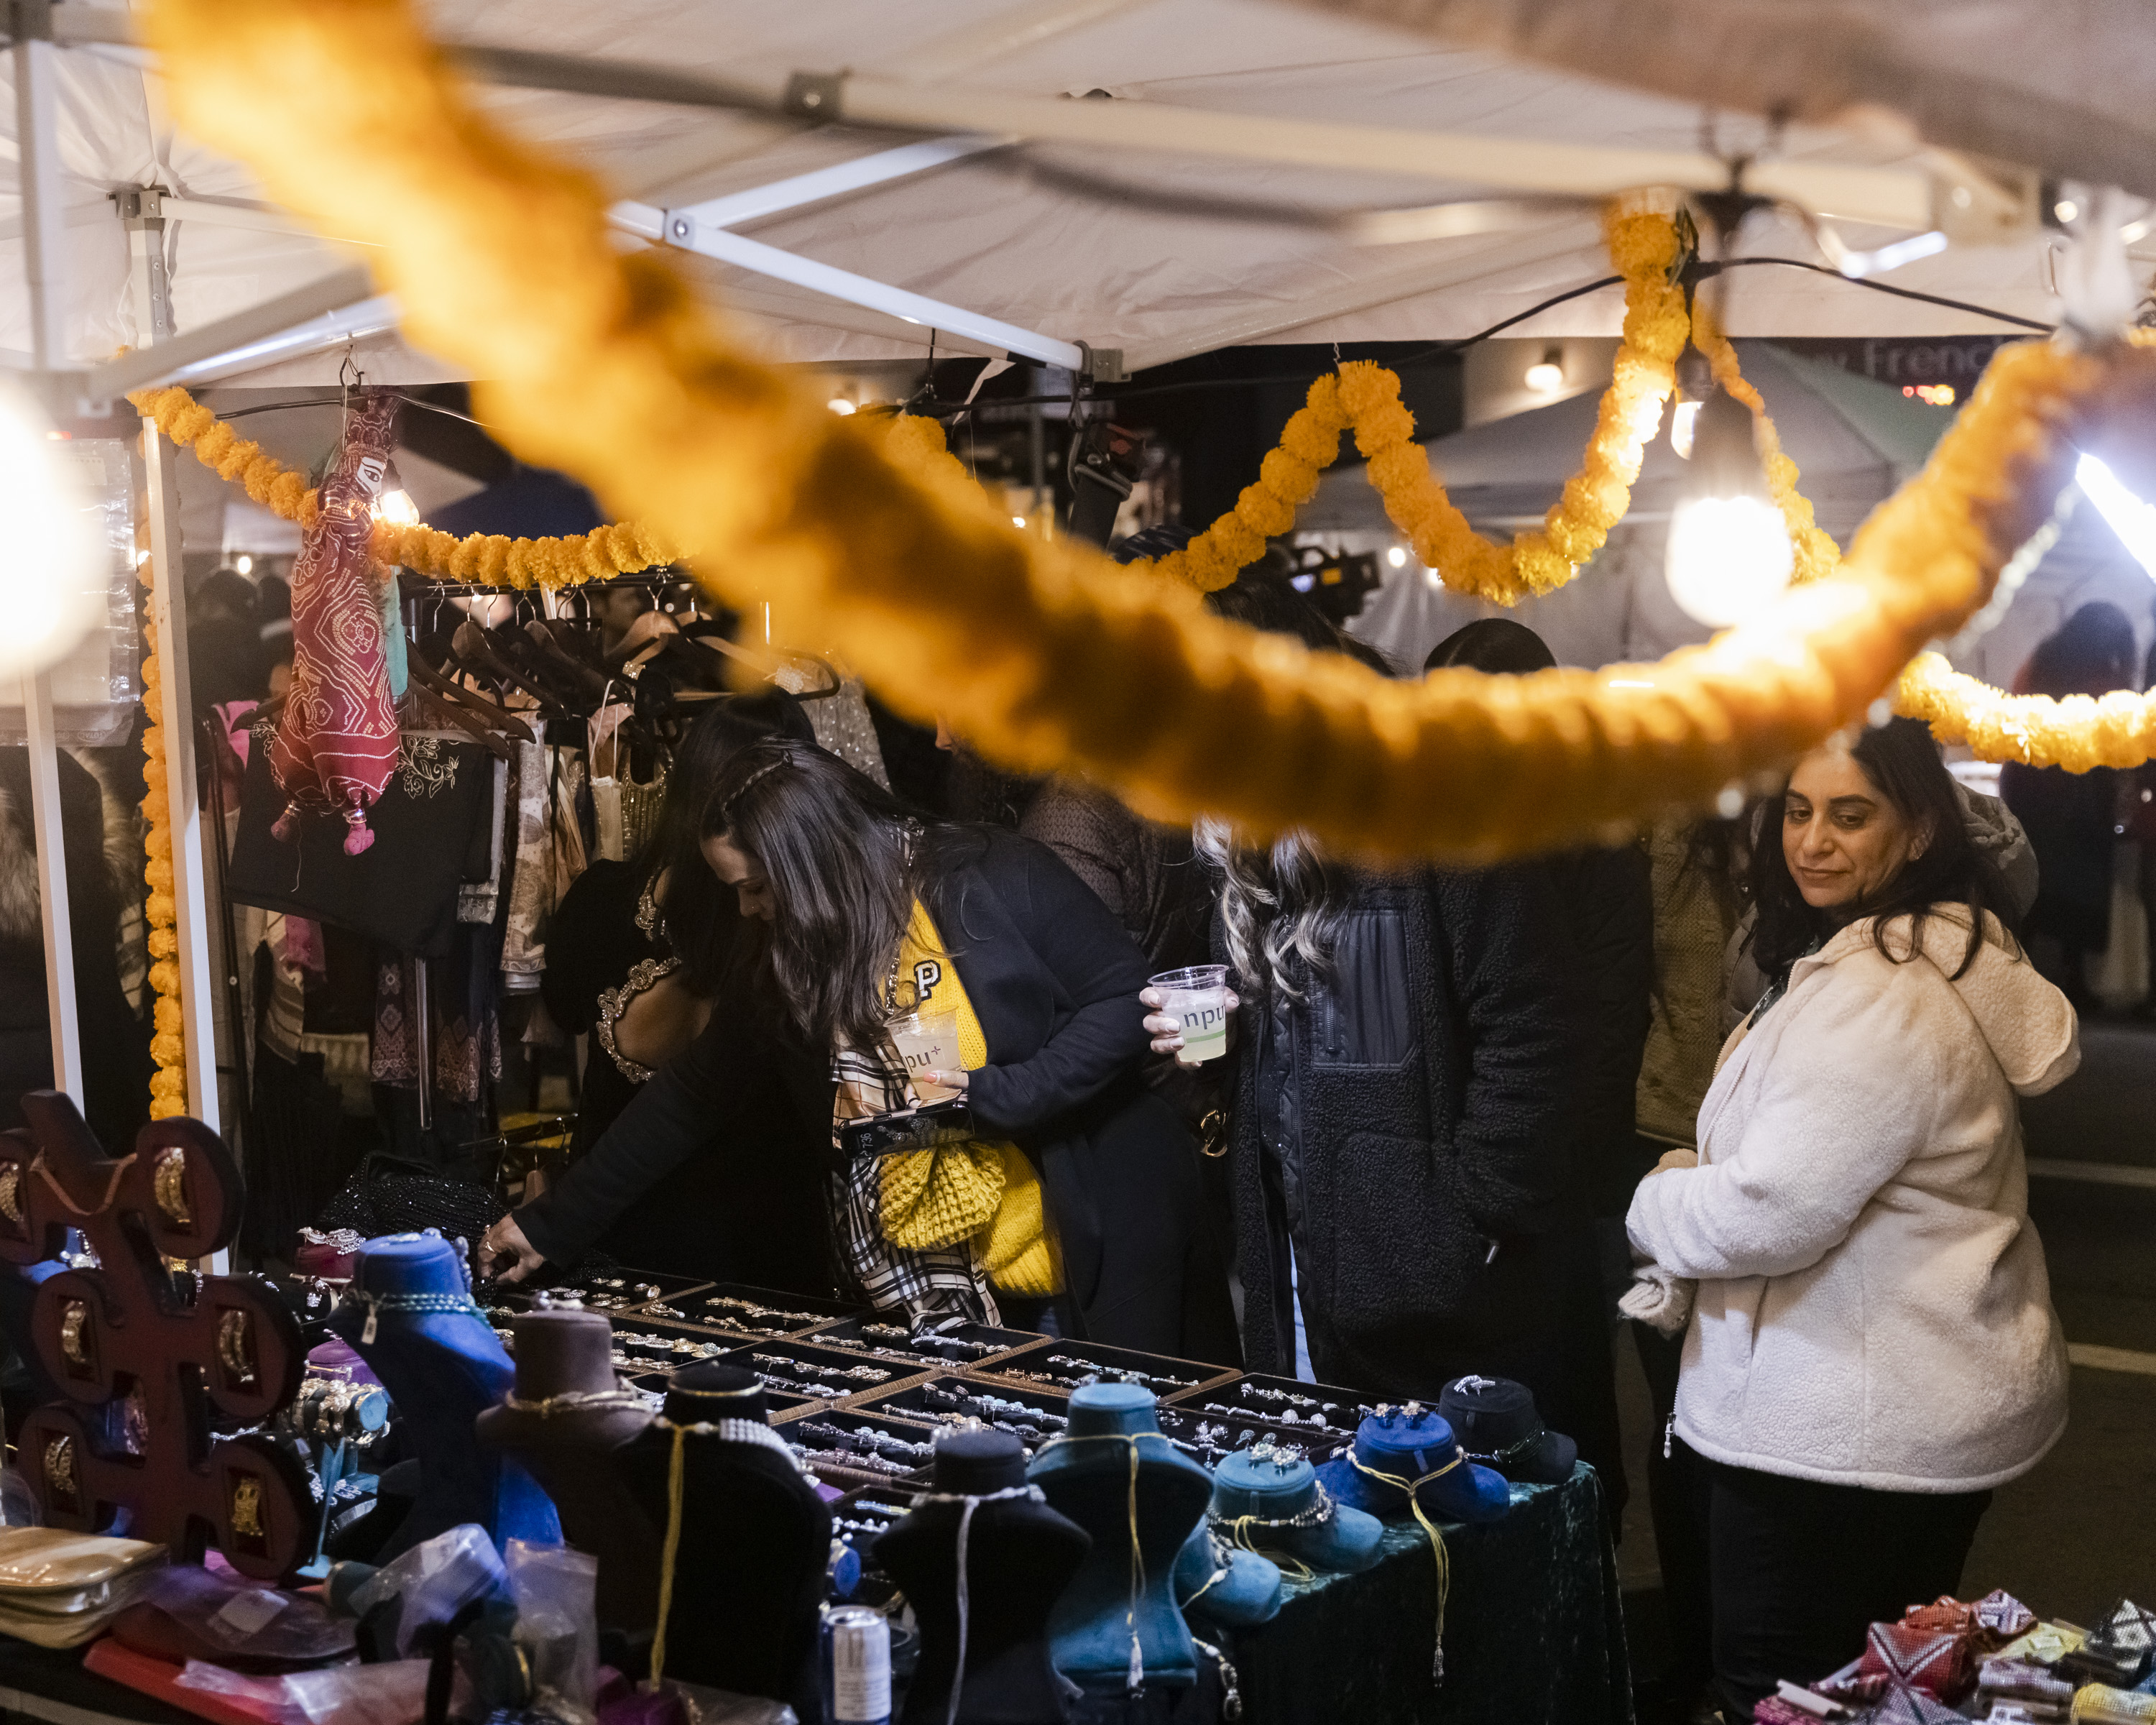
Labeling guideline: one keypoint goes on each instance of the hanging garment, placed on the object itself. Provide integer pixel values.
(431, 828)
(463, 1025)
(549, 854)
(336, 745)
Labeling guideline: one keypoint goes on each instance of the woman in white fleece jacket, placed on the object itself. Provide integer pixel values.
(1871, 1346)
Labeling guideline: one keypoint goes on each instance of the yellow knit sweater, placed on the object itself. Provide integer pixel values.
(986, 1193)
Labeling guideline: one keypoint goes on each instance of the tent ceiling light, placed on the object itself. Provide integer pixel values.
(1397, 557)
(839, 405)
(1729, 553)
(1546, 377)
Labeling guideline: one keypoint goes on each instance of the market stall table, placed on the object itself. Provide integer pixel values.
(1533, 1626)
(49, 1684)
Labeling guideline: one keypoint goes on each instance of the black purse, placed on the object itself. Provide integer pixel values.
(927, 1127)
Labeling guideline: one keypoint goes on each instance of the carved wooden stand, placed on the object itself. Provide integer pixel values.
(146, 1357)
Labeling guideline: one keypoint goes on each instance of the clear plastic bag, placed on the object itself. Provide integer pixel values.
(558, 1628)
(393, 1694)
(432, 1582)
(19, 1504)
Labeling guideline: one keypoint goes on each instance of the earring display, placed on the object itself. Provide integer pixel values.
(178, 1356)
(957, 1404)
(737, 1309)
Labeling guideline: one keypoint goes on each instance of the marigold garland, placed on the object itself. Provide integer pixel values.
(487, 559)
(604, 365)
(168, 1047)
(1366, 398)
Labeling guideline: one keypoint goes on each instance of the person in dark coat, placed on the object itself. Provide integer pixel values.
(635, 953)
(2071, 818)
(831, 873)
(1608, 898)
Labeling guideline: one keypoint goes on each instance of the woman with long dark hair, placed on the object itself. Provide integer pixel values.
(1056, 1176)
(1870, 1347)
(1403, 1099)
(636, 954)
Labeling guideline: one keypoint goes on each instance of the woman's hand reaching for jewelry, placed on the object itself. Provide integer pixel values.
(1167, 1029)
(505, 1240)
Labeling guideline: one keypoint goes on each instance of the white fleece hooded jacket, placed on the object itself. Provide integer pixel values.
(1872, 1307)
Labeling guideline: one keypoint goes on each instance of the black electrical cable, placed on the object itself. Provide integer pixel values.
(1885, 287)
(1444, 349)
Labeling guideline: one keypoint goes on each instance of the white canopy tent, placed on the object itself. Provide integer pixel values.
(1037, 177)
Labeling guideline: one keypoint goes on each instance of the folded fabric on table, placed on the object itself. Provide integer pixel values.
(1853, 1685)
(1945, 1615)
(2100, 1704)
(2002, 1617)
(1943, 1664)
(1774, 1711)
(2024, 1712)
(2003, 1679)
(2045, 1644)
(1902, 1705)
(2119, 1651)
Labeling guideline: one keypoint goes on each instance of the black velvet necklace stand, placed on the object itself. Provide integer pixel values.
(755, 1544)
(1020, 1555)
(550, 1425)
(409, 1312)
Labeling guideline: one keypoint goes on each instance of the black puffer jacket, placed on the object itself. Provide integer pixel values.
(1423, 1104)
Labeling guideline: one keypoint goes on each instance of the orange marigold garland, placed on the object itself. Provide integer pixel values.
(1364, 397)
(168, 1047)
(487, 559)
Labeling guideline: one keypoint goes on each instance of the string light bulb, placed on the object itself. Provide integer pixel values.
(839, 405)
(1397, 557)
(52, 581)
(1546, 377)
(398, 508)
(1729, 554)
(244, 564)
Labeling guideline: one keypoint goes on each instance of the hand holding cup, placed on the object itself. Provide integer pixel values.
(1193, 1013)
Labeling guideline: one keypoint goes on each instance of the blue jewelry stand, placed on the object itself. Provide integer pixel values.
(442, 1367)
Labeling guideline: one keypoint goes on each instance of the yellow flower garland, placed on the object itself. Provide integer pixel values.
(2079, 732)
(604, 364)
(489, 559)
(168, 1047)
(1366, 398)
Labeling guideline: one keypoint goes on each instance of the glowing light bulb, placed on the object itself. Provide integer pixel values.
(57, 565)
(1729, 555)
(2131, 518)
(1681, 422)
(1729, 558)
(839, 405)
(1018, 520)
(397, 507)
(1546, 377)
(244, 564)
(1397, 557)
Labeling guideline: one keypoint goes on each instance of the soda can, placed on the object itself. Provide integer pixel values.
(857, 1654)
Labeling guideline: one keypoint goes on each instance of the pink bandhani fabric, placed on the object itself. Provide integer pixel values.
(335, 750)
(1940, 1665)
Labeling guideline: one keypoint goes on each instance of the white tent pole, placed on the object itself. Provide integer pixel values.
(835, 314)
(798, 190)
(648, 222)
(38, 153)
(327, 299)
(168, 626)
(52, 886)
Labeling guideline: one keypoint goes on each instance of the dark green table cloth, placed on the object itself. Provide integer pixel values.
(1533, 1627)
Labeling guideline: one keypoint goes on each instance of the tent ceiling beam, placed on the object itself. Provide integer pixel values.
(325, 311)
(662, 227)
(800, 190)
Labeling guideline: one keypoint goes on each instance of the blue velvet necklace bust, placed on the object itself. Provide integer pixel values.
(409, 1314)
(1102, 1638)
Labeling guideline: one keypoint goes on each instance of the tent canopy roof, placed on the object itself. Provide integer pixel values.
(1009, 234)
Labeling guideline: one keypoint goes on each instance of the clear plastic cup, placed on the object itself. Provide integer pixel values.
(1198, 996)
(927, 1042)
